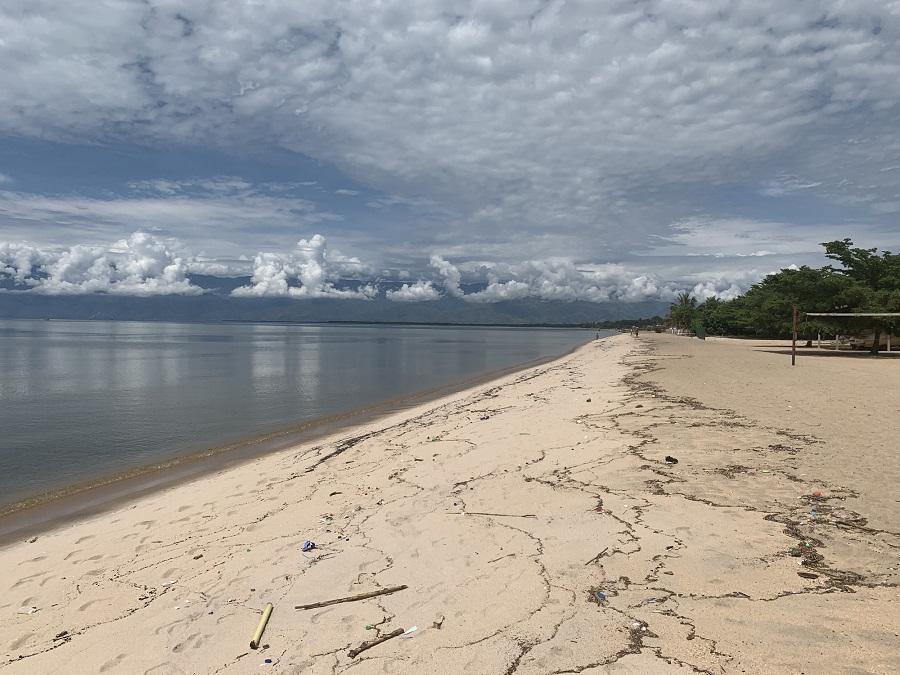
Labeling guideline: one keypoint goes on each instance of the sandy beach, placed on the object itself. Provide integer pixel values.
(535, 522)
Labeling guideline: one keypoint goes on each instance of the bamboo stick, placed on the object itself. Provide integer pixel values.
(267, 612)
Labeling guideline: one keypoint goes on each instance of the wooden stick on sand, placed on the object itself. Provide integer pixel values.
(353, 598)
(505, 515)
(377, 641)
(597, 557)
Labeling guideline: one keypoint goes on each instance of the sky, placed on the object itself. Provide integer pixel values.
(592, 150)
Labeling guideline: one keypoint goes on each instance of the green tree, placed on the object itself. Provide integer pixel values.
(874, 284)
(768, 305)
(683, 312)
(721, 317)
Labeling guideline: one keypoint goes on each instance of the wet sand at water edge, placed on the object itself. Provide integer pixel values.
(535, 522)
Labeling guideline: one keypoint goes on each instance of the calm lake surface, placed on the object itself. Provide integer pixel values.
(79, 400)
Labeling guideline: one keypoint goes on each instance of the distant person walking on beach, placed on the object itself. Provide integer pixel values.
(634, 331)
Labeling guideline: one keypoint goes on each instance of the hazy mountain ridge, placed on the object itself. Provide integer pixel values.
(217, 305)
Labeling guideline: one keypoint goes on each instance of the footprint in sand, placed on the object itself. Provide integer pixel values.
(20, 642)
(72, 553)
(90, 536)
(109, 665)
(25, 580)
(146, 523)
(86, 605)
(184, 508)
(196, 638)
(32, 560)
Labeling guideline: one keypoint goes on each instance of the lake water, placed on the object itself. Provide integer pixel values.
(79, 400)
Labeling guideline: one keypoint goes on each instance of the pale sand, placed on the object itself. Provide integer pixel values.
(694, 559)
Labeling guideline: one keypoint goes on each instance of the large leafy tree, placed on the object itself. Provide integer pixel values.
(874, 285)
(768, 305)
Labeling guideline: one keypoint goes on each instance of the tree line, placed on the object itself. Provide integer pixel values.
(866, 281)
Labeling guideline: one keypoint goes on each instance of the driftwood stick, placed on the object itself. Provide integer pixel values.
(353, 598)
(597, 557)
(505, 515)
(353, 653)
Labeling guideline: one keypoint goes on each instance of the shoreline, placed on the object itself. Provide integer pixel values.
(527, 516)
(34, 514)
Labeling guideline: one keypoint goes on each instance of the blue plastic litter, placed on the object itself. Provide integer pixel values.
(308, 546)
(601, 596)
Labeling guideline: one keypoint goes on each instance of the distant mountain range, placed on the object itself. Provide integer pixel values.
(217, 305)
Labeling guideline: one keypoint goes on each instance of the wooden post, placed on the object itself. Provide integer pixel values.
(794, 340)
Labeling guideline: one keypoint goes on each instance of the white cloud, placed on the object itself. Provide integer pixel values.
(786, 185)
(145, 264)
(417, 292)
(19, 261)
(626, 150)
(310, 271)
(449, 273)
(592, 126)
(142, 265)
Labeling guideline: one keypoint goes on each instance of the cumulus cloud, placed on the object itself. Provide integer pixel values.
(450, 275)
(417, 292)
(141, 265)
(145, 264)
(20, 261)
(551, 280)
(310, 271)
